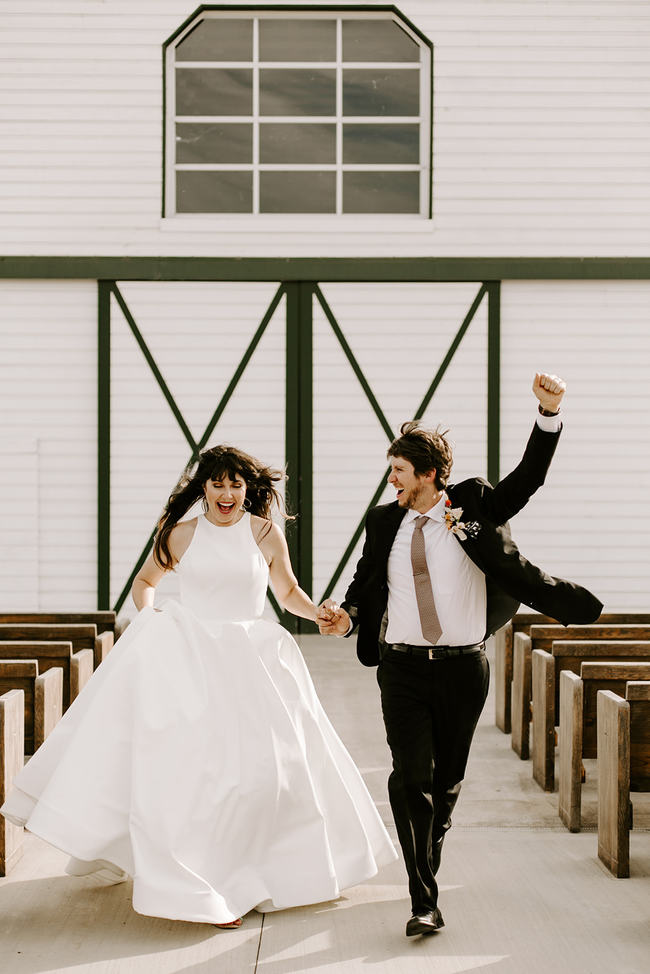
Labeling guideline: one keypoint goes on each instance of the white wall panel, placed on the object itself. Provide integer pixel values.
(541, 143)
(399, 335)
(48, 370)
(197, 334)
(590, 521)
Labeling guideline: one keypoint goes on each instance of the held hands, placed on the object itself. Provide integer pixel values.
(549, 389)
(332, 620)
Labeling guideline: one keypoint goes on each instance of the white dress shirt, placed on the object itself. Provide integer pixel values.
(458, 585)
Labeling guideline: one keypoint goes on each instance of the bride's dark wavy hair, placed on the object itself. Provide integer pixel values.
(214, 464)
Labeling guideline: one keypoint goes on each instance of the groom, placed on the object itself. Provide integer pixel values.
(439, 573)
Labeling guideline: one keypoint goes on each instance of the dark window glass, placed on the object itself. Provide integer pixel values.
(377, 40)
(396, 144)
(297, 40)
(220, 39)
(214, 91)
(297, 192)
(213, 142)
(297, 143)
(381, 92)
(214, 192)
(297, 91)
(381, 192)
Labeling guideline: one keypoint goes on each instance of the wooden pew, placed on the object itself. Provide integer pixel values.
(623, 766)
(546, 669)
(541, 637)
(503, 653)
(578, 721)
(42, 697)
(503, 663)
(81, 636)
(104, 621)
(12, 749)
(77, 667)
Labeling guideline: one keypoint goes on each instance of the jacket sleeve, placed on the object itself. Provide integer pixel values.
(515, 490)
(354, 596)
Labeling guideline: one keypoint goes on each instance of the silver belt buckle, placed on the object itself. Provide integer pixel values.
(431, 656)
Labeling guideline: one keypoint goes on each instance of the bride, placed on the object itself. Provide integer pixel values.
(198, 759)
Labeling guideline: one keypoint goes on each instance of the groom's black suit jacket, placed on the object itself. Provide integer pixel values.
(510, 578)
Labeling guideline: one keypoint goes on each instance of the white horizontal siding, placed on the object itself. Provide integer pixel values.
(48, 381)
(197, 334)
(541, 141)
(590, 521)
(399, 335)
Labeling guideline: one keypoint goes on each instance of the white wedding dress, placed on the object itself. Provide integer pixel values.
(199, 760)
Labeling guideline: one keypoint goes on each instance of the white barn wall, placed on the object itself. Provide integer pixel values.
(593, 333)
(48, 402)
(590, 521)
(541, 142)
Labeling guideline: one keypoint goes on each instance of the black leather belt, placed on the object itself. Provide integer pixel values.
(436, 652)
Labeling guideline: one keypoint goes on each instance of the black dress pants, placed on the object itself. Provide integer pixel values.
(430, 708)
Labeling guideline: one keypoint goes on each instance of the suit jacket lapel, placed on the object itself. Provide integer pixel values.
(387, 529)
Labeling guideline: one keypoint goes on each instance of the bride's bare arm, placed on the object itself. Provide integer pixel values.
(144, 584)
(285, 584)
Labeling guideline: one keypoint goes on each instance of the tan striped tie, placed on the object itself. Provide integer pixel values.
(431, 628)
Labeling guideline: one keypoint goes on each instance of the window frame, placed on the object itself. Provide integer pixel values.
(336, 12)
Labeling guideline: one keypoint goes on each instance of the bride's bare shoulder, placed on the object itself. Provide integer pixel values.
(180, 537)
(262, 528)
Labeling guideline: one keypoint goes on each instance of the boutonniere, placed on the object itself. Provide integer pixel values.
(462, 529)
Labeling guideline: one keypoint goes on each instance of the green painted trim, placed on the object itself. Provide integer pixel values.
(232, 385)
(292, 8)
(299, 436)
(164, 388)
(358, 531)
(163, 159)
(451, 351)
(431, 140)
(196, 448)
(136, 568)
(428, 396)
(494, 381)
(103, 443)
(326, 269)
(356, 368)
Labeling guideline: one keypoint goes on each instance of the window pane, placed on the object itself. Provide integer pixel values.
(297, 40)
(297, 92)
(297, 143)
(214, 142)
(381, 92)
(381, 192)
(377, 40)
(214, 91)
(297, 192)
(218, 39)
(396, 144)
(214, 192)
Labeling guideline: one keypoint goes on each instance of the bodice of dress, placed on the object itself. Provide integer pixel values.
(223, 574)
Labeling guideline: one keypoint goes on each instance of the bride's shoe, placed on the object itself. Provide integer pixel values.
(229, 926)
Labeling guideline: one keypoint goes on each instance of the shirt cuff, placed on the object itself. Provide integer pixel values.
(550, 424)
(350, 628)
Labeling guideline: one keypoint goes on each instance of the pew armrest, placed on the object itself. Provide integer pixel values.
(48, 703)
(82, 665)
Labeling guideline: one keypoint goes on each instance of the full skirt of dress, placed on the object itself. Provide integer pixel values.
(200, 762)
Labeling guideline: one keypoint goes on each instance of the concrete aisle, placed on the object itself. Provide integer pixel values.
(519, 894)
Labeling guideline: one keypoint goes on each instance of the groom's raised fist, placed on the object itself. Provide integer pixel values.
(549, 389)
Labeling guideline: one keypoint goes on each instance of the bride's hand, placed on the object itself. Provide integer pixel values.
(332, 619)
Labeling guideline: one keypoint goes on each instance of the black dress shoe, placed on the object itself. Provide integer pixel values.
(424, 923)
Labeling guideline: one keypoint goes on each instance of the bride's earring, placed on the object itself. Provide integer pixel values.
(205, 505)
(247, 504)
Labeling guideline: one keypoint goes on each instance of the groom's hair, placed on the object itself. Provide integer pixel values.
(425, 449)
